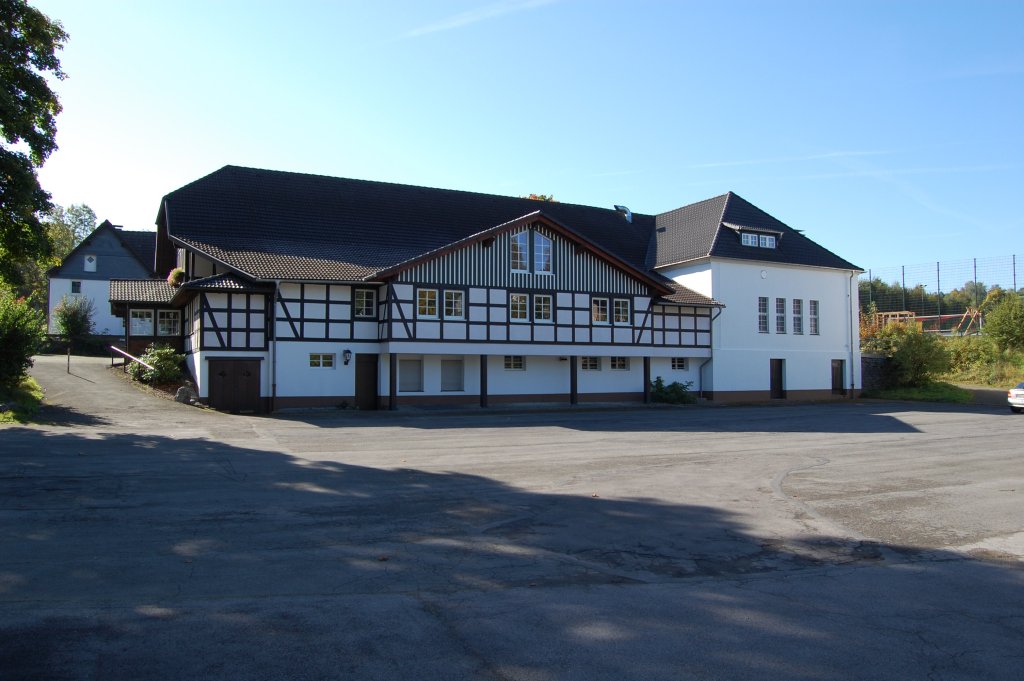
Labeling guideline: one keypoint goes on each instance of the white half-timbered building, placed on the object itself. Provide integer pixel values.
(304, 291)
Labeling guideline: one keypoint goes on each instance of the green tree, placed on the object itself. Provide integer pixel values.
(21, 336)
(1004, 324)
(29, 41)
(915, 358)
(65, 229)
(73, 316)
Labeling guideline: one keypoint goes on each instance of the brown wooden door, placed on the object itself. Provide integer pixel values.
(838, 377)
(366, 381)
(235, 385)
(778, 384)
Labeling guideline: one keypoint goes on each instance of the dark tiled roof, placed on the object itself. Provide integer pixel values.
(279, 225)
(141, 244)
(224, 282)
(140, 291)
(696, 231)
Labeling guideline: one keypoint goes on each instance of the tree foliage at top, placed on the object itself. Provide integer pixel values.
(541, 197)
(29, 41)
(65, 229)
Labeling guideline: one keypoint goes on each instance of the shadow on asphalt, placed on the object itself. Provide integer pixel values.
(147, 528)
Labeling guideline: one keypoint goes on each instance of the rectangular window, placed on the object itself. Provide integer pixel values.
(519, 252)
(618, 363)
(76, 287)
(813, 312)
(679, 364)
(410, 375)
(767, 241)
(451, 375)
(90, 263)
(321, 360)
(748, 239)
(620, 311)
(798, 316)
(590, 363)
(141, 323)
(541, 254)
(519, 307)
(599, 310)
(365, 303)
(168, 322)
(515, 363)
(541, 307)
(780, 315)
(453, 308)
(762, 315)
(426, 303)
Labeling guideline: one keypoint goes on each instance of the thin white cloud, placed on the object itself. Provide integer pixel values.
(790, 159)
(475, 16)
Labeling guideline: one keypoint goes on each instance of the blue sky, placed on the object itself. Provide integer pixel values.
(891, 132)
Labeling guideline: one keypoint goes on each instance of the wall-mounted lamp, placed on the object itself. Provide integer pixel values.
(346, 357)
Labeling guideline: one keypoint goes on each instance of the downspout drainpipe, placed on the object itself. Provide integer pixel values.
(849, 321)
(700, 369)
(273, 345)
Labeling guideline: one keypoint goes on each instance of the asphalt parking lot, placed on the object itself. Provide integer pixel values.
(142, 539)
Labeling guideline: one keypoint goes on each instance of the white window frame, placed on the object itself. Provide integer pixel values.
(165, 315)
(762, 314)
(590, 363)
(618, 363)
(519, 251)
(621, 318)
(543, 308)
(766, 241)
(451, 296)
(748, 239)
(133, 326)
(515, 363)
(780, 315)
(798, 316)
(814, 324)
(369, 300)
(89, 262)
(322, 360)
(423, 301)
(543, 254)
(680, 364)
(599, 309)
(519, 307)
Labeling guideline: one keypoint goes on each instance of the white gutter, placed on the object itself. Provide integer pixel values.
(849, 321)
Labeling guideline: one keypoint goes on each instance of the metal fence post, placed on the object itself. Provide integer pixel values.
(903, 285)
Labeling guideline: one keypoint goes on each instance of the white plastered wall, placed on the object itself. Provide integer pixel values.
(96, 290)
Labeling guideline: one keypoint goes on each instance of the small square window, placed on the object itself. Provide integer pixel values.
(679, 364)
(590, 363)
(515, 363)
(518, 307)
(618, 363)
(621, 311)
(90, 263)
(168, 322)
(426, 303)
(365, 303)
(599, 310)
(321, 360)
(453, 308)
(542, 307)
(76, 287)
(748, 239)
(141, 323)
(767, 241)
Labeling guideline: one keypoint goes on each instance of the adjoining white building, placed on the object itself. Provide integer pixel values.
(304, 290)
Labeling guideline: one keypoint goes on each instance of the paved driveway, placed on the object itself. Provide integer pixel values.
(142, 539)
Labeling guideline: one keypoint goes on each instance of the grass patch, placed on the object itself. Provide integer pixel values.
(932, 392)
(20, 403)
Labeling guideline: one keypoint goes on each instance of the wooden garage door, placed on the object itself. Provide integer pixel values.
(235, 385)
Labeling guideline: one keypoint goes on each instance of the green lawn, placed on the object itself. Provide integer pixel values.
(21, 402)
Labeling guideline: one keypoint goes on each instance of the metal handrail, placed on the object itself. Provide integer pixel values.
(132, 358)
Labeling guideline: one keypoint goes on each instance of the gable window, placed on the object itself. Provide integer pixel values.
(168, 322)
(90, 263)
(141, 323)
(410, 375)
(599, 311)
(618, 363)
(453, 305)
(679, 364)
(519, 307)
(590, 363)
(365, 303)
(798, 316)
(321, 360)
(426, 303)
(541, 254)
(748, 239)
(813, 320)
(767, 241)
(780, 315)
(542, 307)
(762, 315)
(76, 287)
(621, 311)
(452, 375)
(515, 363)
(519, 251)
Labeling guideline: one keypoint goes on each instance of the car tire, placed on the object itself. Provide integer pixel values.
(1016, 410)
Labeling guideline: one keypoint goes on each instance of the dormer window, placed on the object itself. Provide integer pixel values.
(758, 240)
(748, 239)
(767, 241)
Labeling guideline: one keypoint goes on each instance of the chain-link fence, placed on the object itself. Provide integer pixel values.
(944, 296)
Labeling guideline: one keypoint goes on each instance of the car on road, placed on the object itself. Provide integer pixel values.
(1015, 396)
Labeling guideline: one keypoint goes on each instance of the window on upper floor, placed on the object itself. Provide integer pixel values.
(519, 251)
(812, 309)
(599, 310)
(762, 315)
(798, 316)
(620, 311)
(766, 241)
(90, 263)
(758, 240)
(453, 305)
(748, 239)
(364, 303)
(76, 287)
(541, 254)
(426, 303)
(780, 315)
(542, 307)
(519, 307)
